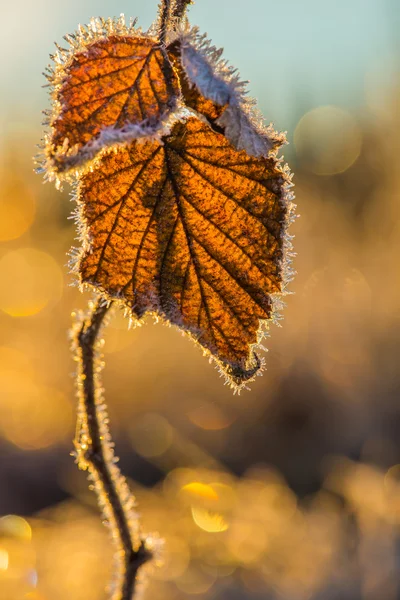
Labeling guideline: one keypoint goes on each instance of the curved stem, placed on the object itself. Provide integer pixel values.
(95, 453)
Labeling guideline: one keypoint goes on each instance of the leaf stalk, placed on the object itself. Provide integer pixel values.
(94, 450)
(172, 11)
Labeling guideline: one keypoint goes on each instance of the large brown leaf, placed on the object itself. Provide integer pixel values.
(115, 82)
(190, 229)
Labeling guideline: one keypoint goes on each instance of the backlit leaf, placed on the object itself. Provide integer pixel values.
(113, 87)
(192, 230)
(183, 203)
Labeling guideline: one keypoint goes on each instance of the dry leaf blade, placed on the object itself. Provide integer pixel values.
(192, 230)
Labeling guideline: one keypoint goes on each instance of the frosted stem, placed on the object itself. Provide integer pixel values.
(172, 11)
(179, 8)
(165, 19)
(95, 454)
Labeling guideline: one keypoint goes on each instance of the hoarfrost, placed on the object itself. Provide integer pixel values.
(219, 82)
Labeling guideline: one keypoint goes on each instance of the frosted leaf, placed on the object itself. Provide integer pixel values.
(193, 231)
(75, 159)
(114, 84)
(200, 72)
(245, 133)
(219, 82)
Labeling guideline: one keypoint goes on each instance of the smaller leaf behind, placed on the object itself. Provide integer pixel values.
(213, 88)
(191, 95)
(192, 230)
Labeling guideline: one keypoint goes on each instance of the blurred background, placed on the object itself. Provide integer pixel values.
(290, 491)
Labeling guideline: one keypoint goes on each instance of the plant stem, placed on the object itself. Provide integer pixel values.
(172, 11)
(95, 453)
(179, 8)
(165, 17)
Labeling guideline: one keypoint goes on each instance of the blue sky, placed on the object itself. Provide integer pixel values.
(297, 55)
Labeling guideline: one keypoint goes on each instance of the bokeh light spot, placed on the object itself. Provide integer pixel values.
(152, 435)
(14, 361)
(210, 417)
(31, 279)
(209, 521)
(118, 336)
(15, 527)
(328, 140)
(393, 475)
(34, 416)
(197, 490)
(34, 595)
(175, 560)
(17, 208)
(194, 581)
(3, 559)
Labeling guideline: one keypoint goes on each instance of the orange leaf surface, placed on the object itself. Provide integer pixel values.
(192, 230)
(115, 82)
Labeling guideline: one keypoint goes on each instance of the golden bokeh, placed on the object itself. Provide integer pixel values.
(33, 416)
(197, 490)
(151, 435)
(195, 581)
(328, 140)
(14, 363)
(212, 522)
(210, 417)
(31, 279)
(392, 477)
(35, 595)
(254, 495)
(271, 538)
(16, 527)
(18, 574)
(17, 207)
(175, 559)
(4, 560)
(118, 335)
